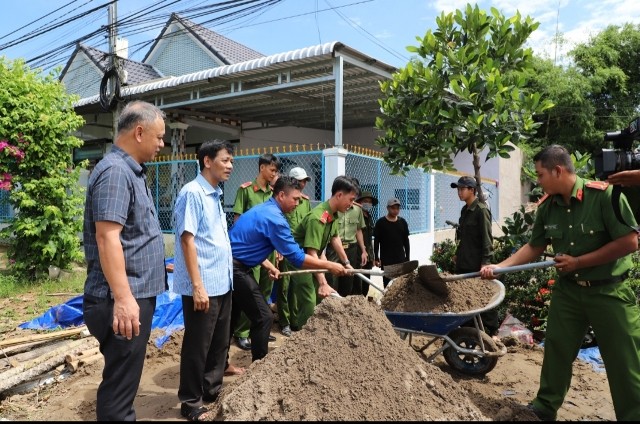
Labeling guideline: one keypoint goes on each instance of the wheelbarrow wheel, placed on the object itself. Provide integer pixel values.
(467, 338)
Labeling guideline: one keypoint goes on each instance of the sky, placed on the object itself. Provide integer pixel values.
(378, 28)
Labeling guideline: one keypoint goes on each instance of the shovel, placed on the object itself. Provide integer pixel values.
(430, 278)
(390, 271)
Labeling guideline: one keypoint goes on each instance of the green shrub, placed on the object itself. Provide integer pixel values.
(37, 122)
(442, 255)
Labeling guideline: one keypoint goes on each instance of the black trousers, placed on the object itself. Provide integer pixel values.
(123, 359)
(248, 298)
(204, 349)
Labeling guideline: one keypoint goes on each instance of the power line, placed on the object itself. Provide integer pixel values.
(370, 36)
(152, 21)
(34, 21)
(45, 29)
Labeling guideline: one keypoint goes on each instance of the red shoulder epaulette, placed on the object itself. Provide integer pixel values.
(247, 184)
(542, 199)
(304, 196)
(326, 217)
(600, 185)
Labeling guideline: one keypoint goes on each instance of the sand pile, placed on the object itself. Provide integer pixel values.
(347, 363)
(406, 294)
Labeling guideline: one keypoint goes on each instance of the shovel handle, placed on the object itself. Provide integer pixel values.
(349, 270)
(366, 280)
(503, 270)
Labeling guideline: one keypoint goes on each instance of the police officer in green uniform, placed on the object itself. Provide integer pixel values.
(350, 226)
(248, 195)
(367, 202)
(475, 241)
(294, 218)
(593, 255)
(318, 229)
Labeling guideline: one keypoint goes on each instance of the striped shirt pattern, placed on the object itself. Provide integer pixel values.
(198, 210)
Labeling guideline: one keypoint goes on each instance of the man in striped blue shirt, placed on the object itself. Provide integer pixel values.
(203, 275)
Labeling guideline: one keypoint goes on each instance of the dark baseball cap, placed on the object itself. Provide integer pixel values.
(465, 182)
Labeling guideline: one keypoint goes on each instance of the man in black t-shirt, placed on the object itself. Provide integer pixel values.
(391, 238)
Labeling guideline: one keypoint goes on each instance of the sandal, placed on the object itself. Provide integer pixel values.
(194, 414)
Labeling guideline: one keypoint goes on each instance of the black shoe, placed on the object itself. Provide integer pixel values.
(192, 414)
(243, 343)
(542, 416)
(272, 338)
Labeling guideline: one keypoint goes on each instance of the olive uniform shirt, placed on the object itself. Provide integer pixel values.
(250, 194)
(367, 235)
(317, 228)
(475, 242)
(586, 224)
(297, 215)
(349, 222)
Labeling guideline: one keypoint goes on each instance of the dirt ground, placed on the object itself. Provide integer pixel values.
(347, 363)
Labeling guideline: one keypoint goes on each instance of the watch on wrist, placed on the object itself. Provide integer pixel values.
(345, 263)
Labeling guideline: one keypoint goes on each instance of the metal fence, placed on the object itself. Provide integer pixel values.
(6, 211)
(422, 195)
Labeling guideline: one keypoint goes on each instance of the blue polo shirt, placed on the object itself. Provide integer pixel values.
(261, 230)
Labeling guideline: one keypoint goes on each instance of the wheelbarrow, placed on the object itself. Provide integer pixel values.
(468, 350)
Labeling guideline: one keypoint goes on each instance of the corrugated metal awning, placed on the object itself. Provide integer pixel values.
(295, 88)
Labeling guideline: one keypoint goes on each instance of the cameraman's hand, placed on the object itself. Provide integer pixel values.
(625, 178)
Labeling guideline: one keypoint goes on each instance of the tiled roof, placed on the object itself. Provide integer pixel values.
(137, 72)
(227, 50)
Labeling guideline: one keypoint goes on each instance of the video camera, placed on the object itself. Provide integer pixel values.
(621, 157)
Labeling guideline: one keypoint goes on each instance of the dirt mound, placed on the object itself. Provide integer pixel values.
(347, 363)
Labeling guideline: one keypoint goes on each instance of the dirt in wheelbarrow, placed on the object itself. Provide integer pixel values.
(347, 363)
(406, 294)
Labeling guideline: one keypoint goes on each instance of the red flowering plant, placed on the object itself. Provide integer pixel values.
(11, 154)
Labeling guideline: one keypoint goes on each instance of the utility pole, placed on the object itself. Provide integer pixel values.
(115, 63)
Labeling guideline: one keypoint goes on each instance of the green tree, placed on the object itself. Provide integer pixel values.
(611, 62)
(464, 92)
(37, 118)
(571, 121)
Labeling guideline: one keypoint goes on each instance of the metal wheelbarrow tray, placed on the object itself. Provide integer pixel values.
(467, 349)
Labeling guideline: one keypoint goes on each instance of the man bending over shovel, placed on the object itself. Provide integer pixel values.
(255, 235)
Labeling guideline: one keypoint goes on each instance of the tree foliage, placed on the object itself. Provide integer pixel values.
(611, 62)
(465, 91)
(571, 121)
(37, 117)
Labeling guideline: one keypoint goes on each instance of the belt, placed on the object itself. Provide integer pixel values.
(595, 283)
(240, 264)
(346, 245)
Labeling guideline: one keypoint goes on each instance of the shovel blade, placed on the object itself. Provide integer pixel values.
(429, 277)
(397, 270)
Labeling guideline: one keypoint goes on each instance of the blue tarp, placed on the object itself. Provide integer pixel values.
(167, 317)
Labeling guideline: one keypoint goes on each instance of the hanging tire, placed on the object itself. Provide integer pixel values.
(467, 338)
